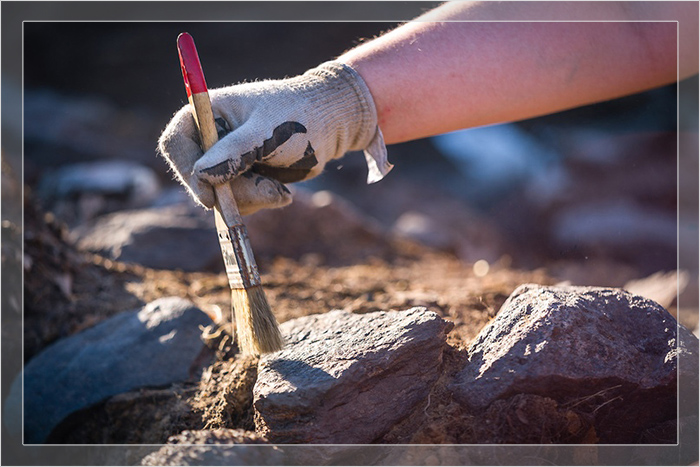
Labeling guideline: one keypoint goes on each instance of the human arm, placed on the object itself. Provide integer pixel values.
(444, 71)
(448, 70)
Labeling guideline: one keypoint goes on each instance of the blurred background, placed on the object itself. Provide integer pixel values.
(592, 183)
(591, 195)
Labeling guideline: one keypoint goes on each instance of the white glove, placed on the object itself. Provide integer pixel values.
(275, 132)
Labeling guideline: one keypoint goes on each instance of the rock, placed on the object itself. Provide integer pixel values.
(321, 224)
(152, 347)
(77, 193)
(133, 182)
(345, 378)
(180, 236)
(224, 446)
(214, 447)
(622, 228)
(607, 350)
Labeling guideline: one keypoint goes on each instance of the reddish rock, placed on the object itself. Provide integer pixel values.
(615, 353)
(345, 378)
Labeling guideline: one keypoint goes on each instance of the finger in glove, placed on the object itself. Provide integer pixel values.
(253, 192)
(286, 148)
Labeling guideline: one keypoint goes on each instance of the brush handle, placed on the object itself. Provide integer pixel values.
(241, 269)
(204, 118)
(198, 96)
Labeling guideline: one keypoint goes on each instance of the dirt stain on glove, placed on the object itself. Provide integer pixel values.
(280, 135)
(296, 172)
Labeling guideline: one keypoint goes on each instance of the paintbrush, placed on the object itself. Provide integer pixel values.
(256, 328)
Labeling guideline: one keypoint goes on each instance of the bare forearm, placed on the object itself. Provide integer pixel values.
(430, 77)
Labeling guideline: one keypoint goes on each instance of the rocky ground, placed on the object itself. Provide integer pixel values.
(103, 249)
(74, 291)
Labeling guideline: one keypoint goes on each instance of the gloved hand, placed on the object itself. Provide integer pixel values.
(274, 132)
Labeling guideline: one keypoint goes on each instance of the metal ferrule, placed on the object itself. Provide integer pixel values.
(240, 264)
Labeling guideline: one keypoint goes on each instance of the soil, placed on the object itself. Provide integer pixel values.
(67, 291)
(71, 290)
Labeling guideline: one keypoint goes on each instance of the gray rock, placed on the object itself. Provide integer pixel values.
(215, 447)
(312, 225)
(152, 347)
(607, 348)
(345, 378)
(180, 236)
(618, 226)
(78, 193)
(136, 183)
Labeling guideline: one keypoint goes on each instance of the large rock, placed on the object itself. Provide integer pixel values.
(180, 236)
(614, 353)
(152, 347)
(318, 223)
(345, 378)
(135, 184)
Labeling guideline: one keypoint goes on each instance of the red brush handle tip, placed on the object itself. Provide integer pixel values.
(191, 67)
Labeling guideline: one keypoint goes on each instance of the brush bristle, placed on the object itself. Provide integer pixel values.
(256, 327)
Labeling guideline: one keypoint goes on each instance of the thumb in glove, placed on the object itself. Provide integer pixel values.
(180, 142)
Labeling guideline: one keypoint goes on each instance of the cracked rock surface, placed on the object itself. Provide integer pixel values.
(157, 345)
(345, 378)
(598, 346)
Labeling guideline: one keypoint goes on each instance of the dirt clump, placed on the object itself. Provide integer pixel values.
(225, 394)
